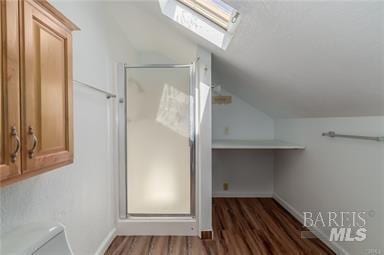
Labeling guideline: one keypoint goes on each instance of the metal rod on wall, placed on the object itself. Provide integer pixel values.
(106, 93)
(332, 134)
(163, 65)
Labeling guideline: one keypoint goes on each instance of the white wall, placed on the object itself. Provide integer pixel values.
(81, 195)
(204, 138)
(242, 121)
(248, 172)
(334, 174)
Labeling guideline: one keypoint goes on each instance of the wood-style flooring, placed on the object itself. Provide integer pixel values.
(241, 226)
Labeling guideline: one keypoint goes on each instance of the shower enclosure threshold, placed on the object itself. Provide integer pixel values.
(161, 226)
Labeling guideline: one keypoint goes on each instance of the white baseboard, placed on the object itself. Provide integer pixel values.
(106, 242)
(240, 194)
(160, 227)
(337, 248)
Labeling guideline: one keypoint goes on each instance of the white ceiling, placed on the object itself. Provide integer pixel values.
(300, 59)
(150, 32)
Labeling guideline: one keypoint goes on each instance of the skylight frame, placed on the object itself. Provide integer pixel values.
(200, 24)
(216, 11)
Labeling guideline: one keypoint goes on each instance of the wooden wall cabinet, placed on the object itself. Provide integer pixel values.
(36, 128)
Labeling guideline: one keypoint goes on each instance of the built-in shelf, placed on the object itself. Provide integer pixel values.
(255, 144)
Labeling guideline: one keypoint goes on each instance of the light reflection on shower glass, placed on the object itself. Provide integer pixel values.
(173, 110)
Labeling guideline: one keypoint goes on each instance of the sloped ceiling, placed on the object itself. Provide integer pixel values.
(301, 59)
(149, 32)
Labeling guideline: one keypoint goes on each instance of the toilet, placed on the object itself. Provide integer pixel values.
(44, 238)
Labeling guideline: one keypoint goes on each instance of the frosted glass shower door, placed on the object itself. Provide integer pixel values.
(159, 140)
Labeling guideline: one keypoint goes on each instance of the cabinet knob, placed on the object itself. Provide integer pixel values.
(17, 139)
(31, 152)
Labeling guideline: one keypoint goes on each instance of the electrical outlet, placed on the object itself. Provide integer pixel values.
(226, 186)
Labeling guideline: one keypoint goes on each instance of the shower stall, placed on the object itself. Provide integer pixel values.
(156, 139)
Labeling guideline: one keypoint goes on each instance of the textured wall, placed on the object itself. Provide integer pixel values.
(334, 174)
(78, 195)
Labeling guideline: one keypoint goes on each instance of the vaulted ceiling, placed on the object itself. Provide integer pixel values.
(297, 58)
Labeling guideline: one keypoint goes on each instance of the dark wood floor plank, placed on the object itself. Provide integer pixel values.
(124, 246)
(242, 226)
(117, 242)
(178, 245)
(196, 246)
(159, 245)
(141, 245)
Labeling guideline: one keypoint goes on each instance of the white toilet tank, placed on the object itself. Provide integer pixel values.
(36, 238)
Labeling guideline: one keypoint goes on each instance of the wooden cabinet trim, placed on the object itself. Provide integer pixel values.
(53, 12)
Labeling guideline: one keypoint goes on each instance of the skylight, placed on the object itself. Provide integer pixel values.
(213, 20)
(215, 10)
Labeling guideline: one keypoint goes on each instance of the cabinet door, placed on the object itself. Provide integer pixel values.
(10, 163)
(47, 91)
